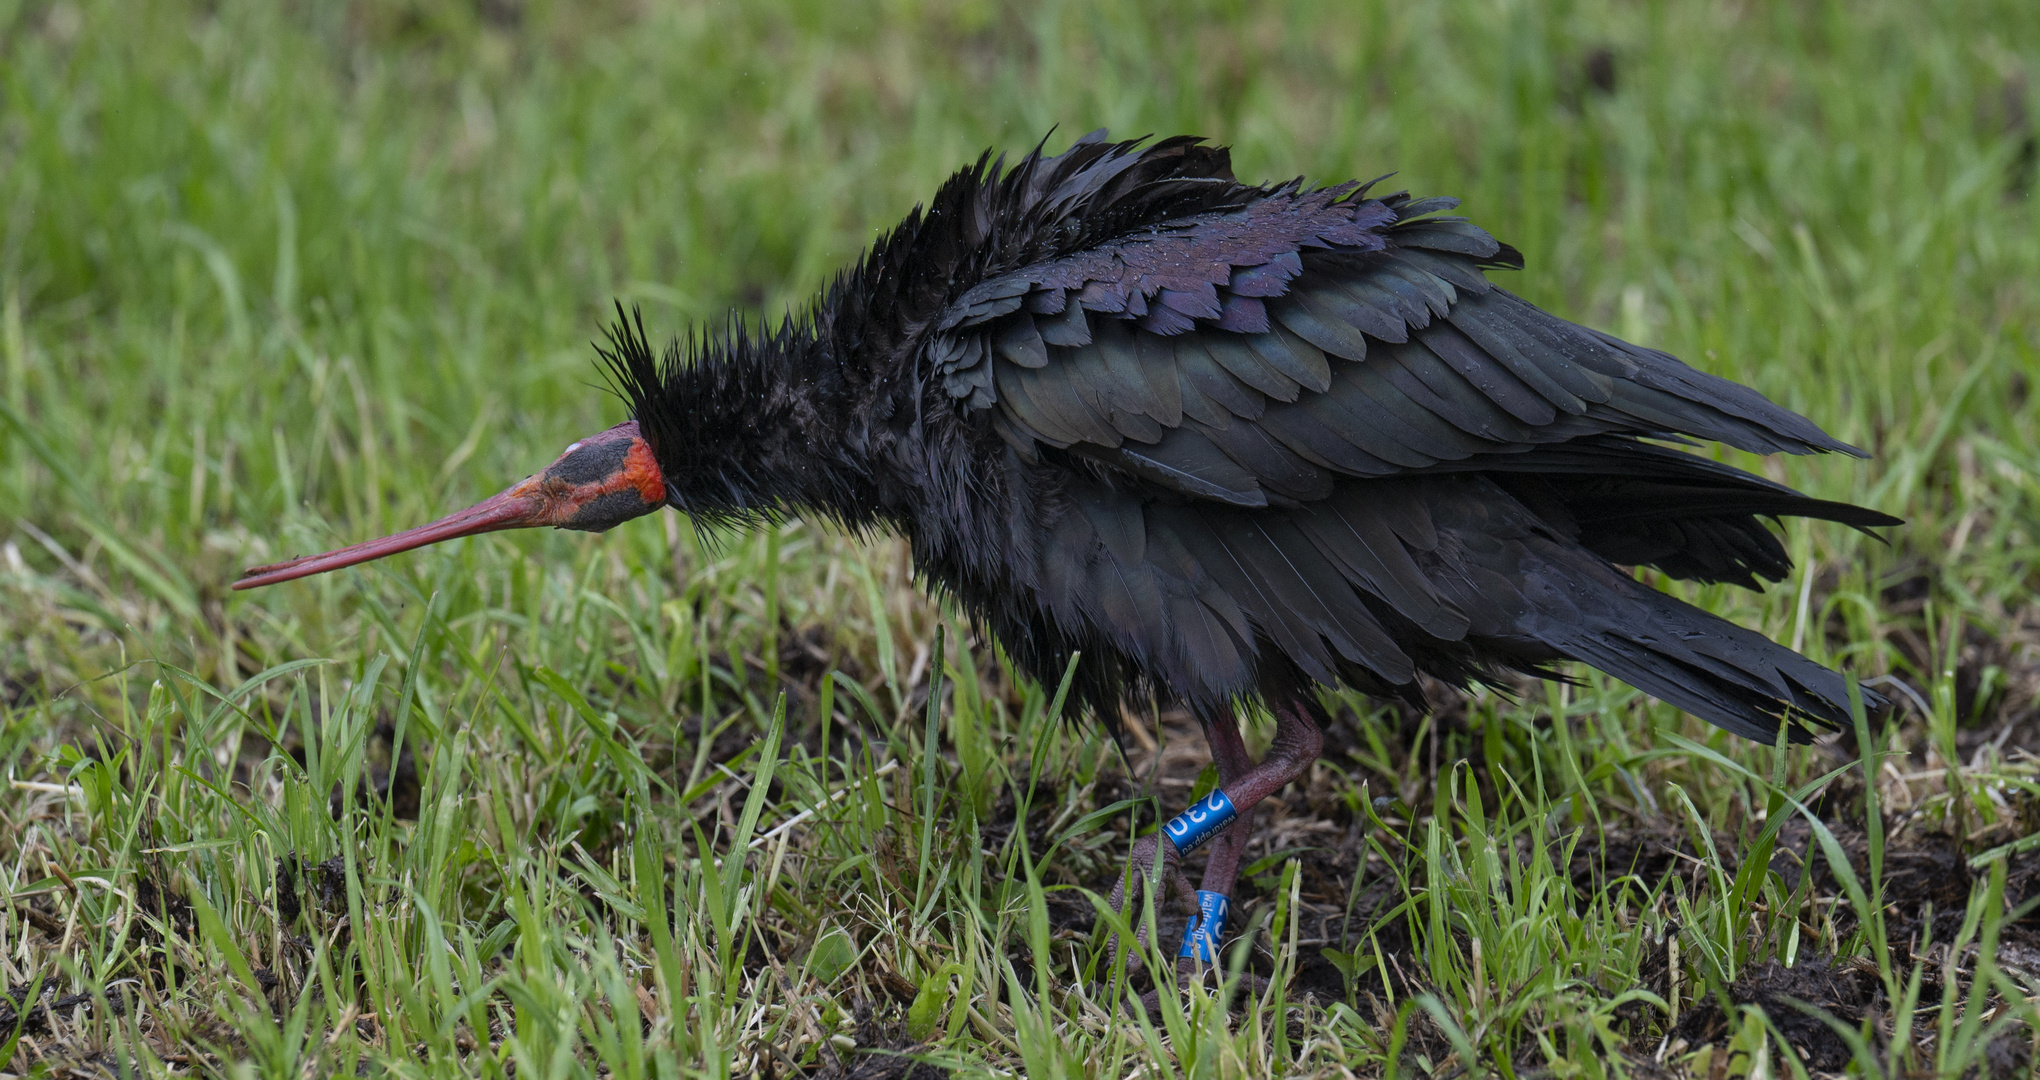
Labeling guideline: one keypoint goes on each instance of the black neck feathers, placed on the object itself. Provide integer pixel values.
(747, 426)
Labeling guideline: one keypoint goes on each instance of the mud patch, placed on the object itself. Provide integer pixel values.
(29, 1008)
(383, 780)
(883, 1053)
(1845, 991)
(169, 905)
(302, 885)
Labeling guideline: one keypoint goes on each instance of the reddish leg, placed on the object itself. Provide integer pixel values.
(1298, 742)
(1229, 753)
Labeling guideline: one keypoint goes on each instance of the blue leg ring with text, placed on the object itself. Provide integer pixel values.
(1201, 938)
(1191, 828)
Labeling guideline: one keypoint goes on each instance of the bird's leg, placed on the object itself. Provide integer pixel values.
(1156, 857)
(1154, 862)
(1228, 812)
(1207, 928)
(1298, 742)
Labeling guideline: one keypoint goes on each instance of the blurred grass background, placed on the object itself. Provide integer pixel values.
(275, 277)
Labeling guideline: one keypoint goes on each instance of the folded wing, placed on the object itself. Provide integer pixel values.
(1309, 430)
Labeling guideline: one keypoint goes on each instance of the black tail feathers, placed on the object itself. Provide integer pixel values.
(1734, 678)
(1638, 504)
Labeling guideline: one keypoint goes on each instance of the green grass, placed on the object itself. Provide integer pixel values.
(277, 277)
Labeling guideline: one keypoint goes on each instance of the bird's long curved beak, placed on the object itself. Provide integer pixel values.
(520, 507)
(600, 481)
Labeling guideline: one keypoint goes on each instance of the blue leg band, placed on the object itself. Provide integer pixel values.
(1202, 936)
(1191, 828)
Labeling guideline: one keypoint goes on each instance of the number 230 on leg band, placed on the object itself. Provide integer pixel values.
(1190, 829)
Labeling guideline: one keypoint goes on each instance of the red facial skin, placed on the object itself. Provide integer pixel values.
(570, 493)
